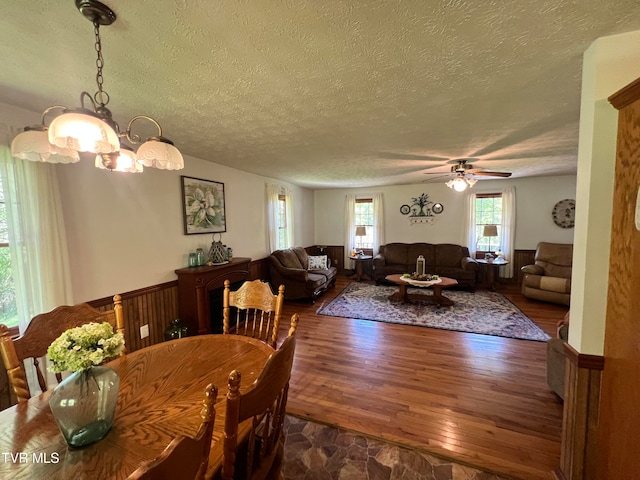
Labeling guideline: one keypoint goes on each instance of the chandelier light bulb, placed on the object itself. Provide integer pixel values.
(123, 161)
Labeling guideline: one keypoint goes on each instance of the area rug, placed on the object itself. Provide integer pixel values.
(483, 312)
(313, 451)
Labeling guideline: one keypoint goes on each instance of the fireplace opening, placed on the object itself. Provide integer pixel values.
(216, 305)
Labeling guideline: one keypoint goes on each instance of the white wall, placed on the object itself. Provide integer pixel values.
(609, 64)
(125, 231)
(535, 198)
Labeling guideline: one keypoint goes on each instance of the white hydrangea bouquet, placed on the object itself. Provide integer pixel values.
(82, 347)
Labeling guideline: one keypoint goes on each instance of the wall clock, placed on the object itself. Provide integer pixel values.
(405, 209)
(437, 208)
(564, 213)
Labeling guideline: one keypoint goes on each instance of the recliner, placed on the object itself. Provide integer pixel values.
(549, 278)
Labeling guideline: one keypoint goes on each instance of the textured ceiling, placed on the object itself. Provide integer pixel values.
(336, 93)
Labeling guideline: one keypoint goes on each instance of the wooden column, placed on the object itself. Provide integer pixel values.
(195, 285)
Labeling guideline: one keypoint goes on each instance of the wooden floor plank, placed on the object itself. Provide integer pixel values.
(479, 399)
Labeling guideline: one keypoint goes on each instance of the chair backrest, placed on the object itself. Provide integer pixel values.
(264, 403)
(41, 332)
(184, 457)
(258, 310)
(555, 258)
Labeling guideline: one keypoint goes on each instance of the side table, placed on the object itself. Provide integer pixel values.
(361, 260)
(492, 270)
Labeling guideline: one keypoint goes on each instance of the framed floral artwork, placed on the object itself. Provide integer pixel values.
(203, 206)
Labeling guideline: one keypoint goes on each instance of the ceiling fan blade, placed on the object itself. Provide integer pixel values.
(436, 173)
(483, 173)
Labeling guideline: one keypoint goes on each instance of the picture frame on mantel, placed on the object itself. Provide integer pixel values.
(203, 206)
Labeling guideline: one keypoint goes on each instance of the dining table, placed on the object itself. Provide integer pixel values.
(160, 397)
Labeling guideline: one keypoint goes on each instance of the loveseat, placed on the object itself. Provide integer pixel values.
(445, 259)
(549, 278)
(291, 267)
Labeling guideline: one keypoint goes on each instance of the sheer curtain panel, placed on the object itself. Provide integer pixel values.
(349, 228)
(272, 216)
(37, 238)
(508, 229)
(378, 222)
(470, 239)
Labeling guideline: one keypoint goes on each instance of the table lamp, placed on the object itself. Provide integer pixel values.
(490, 231)
(361, 231)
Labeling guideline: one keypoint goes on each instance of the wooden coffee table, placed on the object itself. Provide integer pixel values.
(403, 296)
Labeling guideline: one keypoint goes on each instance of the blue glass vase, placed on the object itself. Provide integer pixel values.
(84, 405)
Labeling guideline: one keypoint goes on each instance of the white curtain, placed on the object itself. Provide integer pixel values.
(349, 228)
(508, 229)
(288, 199)
(469, 231)
(378, 222)
(37, 237)
(272, 216)
(273, 194)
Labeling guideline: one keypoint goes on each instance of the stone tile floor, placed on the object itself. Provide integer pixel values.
(317, 452)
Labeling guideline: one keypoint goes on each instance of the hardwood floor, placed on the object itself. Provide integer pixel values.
(478, 399)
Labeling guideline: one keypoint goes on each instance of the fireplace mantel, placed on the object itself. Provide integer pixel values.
(195, 285)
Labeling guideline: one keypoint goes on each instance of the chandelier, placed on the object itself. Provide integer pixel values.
(461, 182)
(93, 130)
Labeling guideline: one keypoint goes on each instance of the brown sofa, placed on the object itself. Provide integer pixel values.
(290, 267)
(549, 279)
(445, 259)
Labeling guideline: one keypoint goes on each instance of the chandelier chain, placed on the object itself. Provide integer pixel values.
(100, 96)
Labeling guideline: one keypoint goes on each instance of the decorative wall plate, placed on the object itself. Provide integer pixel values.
(405, 209)
(564, 213)
(437, 208)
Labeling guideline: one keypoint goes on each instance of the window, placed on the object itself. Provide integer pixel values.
(282, 222)
(488, 212)
(364, 218)
(8, 310)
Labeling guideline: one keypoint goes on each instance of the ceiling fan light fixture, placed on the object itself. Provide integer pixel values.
(94, 131)
(459, 184)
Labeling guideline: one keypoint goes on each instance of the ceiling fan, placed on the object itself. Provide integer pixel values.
(465, 172)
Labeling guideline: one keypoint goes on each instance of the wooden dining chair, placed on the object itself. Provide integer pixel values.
(264, 403)
(185, 457)
(41, 332)
(258, 310)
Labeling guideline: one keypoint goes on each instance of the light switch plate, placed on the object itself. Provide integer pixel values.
(638, 210)
(144, 331)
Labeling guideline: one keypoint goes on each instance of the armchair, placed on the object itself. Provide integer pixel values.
(549, 278)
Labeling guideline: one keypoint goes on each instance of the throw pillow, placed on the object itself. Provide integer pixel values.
(318, 262)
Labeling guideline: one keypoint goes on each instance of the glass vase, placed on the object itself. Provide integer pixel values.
(84, 405)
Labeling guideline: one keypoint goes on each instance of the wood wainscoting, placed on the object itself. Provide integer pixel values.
(580, 416)
(155, 306)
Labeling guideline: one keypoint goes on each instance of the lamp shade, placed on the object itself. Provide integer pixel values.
(33, 144)
(83, 132)
(490, 231)
(361, 231)
(158, 152)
